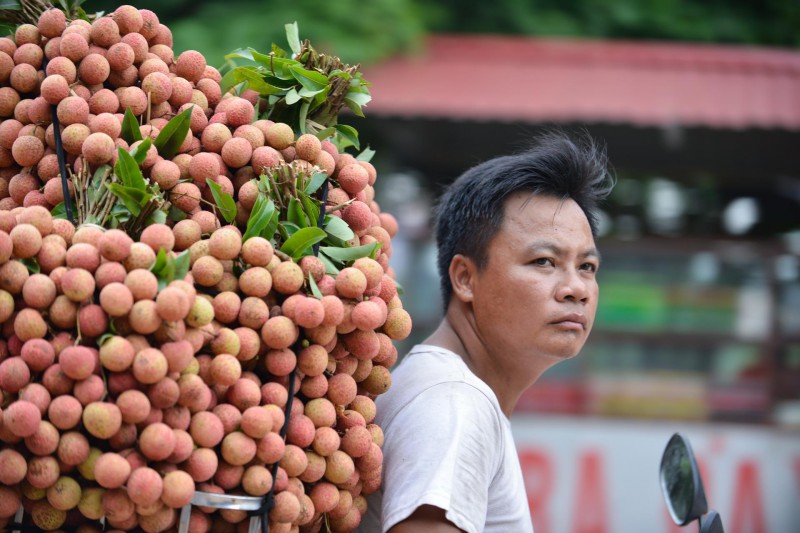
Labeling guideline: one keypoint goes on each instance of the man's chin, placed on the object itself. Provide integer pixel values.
(566, 352)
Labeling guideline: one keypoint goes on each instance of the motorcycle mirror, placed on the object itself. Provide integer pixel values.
(681, 483)
(711, 523)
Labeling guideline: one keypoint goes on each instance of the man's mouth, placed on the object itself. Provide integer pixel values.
(571, 321)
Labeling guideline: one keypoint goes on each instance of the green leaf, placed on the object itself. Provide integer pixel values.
(295, 214)
(366, 155)
(314, 289)
(349, 135)
(296, 246)
(59, 211)
(350, 254)
(301, 119)
(256, 77)
(175, 214)
(293, 36)
(94, 219)
(160, 263)
(292, 97)
(157, 217)
(104, 338)
(307, 93)
(327, 132)
(96, 188)
(276, 64)
(130, 127)
(315, 183)
(309, 79)
(259, 217)
(311, 209)
(183, 261)
(355, 108)
(374, 253)
(286, 229)
(263, 184)
(272, 226)
(242, 53)
(319, 99)
(163, 280)
(359, 98)
(255, 80)
(266, 60)
(338, 228)
(224, 201)
(31, 264)
(128, 171)
(229, 80)
(133, 199)
(118, 216)
(173, 134)
(330, 267)
(139, 152)
(284, 84)
(278, 51)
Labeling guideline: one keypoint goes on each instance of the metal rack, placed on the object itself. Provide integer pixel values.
(222, 501)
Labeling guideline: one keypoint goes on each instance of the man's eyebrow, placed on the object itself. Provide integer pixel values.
(558, 250)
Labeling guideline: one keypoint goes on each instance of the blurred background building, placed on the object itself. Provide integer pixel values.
(699, 323)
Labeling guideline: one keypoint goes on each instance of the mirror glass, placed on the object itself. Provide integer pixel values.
(678, 479)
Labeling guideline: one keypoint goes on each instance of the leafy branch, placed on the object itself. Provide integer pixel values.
(306, 90)
(120, 196)
(287, 212)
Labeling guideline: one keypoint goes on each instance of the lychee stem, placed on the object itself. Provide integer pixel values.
(282, 255)
(149, 105)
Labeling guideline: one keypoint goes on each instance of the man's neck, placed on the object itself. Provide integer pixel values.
(457, 334)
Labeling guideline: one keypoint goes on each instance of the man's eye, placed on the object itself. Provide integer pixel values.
(542, 261)
(589, 267)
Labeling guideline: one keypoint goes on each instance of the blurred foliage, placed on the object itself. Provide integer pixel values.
(366, 31)
(354, 30)
(766, 22)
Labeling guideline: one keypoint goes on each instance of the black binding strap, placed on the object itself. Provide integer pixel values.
(268, 502)
(62, 163)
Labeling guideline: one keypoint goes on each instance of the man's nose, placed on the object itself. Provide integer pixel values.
(572, 286)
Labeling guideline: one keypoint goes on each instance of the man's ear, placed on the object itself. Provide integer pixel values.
(463, 272)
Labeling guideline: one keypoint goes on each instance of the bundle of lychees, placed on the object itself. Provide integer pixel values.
(220, 314)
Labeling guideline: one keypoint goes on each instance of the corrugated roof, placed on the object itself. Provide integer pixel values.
(542, 80)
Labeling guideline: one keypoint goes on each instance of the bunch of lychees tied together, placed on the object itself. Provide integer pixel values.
(190, 337)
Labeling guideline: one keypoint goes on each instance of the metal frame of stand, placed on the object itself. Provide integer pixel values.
(222, 501)
(18, 519)
(200, 499)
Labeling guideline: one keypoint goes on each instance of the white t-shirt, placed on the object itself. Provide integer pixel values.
(447, 444)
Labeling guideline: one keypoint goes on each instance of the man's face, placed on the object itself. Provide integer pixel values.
(537, 294)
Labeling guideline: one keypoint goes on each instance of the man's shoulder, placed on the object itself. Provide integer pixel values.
(428, 366)
(429, 376)
(431, 362)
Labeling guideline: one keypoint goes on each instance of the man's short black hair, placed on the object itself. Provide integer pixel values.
(470, 212)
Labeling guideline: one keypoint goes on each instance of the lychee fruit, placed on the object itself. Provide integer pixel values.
(98, 149)
(27, 150)
(73, 110)
(94, 69)
(105, 32)
(190, 65)
(279, 135)
(102, 419)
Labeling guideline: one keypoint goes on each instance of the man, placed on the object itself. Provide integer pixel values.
(517, 263)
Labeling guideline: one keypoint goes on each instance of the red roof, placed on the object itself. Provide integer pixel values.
(547, 80)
